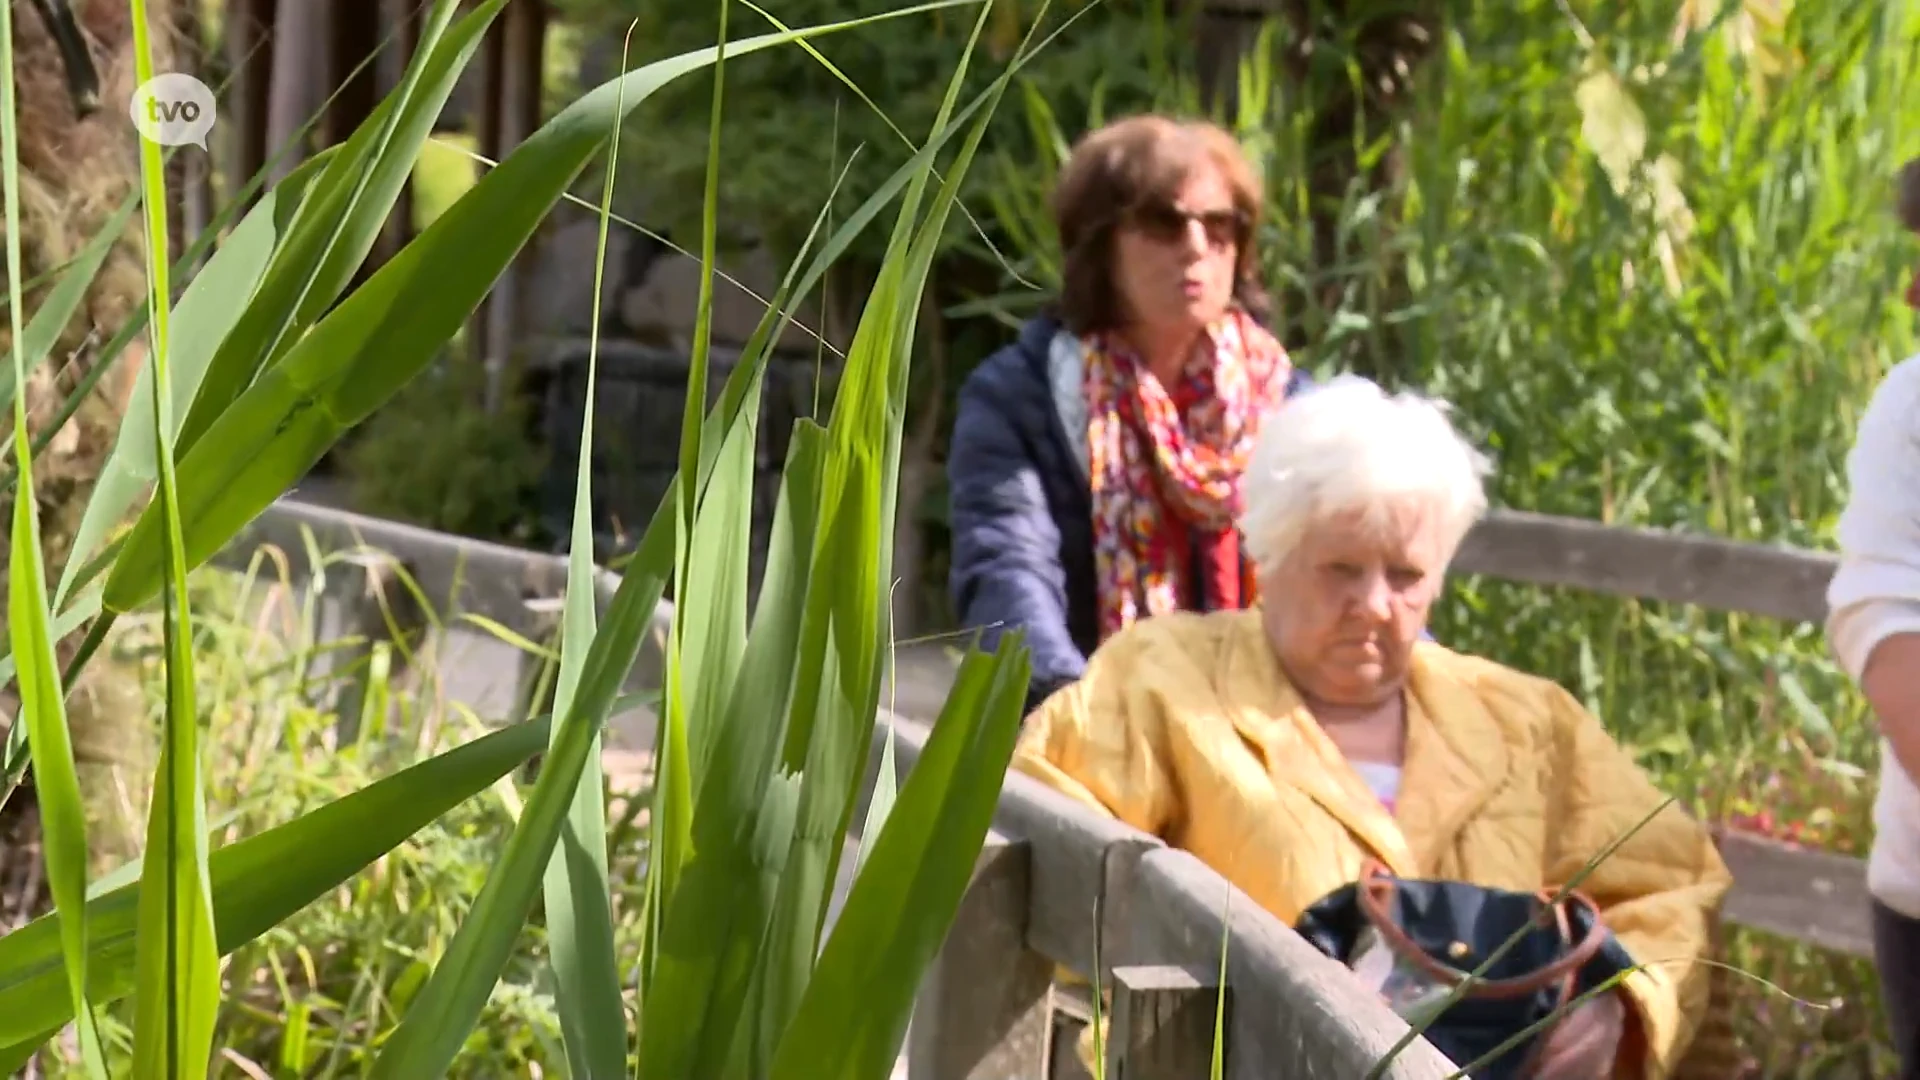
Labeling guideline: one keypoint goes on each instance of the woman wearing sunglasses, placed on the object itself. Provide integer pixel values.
(1095, 466)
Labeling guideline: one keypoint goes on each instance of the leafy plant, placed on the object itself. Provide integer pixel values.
(766, 715)
(469, 472)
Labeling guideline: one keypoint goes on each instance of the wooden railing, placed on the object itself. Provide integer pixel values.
(1810, 896)
(1055, 882)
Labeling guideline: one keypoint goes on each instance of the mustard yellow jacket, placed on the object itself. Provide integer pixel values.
(1185, 727)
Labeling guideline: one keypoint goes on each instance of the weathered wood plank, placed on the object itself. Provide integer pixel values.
(1163, 1020)
(1294, 1012)
(1538, 549)
(1086, 858)
(1069, 1012)
(1811, 896)
(981, 1013)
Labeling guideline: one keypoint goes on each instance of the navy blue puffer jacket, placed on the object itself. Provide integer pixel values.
(1021, 512)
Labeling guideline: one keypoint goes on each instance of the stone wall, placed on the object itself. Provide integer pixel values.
(649, 300)
(640, 399)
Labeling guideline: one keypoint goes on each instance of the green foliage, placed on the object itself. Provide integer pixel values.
(294, 371)
(791, 124)
(317, 981)
(42, 713)
(435, 457)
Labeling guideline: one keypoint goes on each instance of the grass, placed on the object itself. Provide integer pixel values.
(764, 711)
(313, 996)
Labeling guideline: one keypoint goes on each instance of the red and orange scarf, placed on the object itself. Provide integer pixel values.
(1165, 465)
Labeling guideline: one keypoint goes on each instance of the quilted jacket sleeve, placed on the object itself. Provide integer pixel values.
(1006, 569)
(1660, 891)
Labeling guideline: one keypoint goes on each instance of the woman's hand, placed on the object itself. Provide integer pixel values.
(1585, 1044)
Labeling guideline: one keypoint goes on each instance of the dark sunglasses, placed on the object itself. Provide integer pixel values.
(1169, 224)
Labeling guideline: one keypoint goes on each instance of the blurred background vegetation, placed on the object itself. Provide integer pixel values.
(1644, 246)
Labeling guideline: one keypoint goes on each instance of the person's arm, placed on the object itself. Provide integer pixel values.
(1878, 643)
(1659, 891)
(1874, 625)
(1006, 569)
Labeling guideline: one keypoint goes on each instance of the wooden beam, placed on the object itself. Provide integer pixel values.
(404, 17)
(1813, 896)
(189, 174)
(1724, 575)
(1163, 1019)
(1224, 35)
(248, 33)
(486, 142)
(354, 34)
(300, 77)
(981, 1012)
(523, 29)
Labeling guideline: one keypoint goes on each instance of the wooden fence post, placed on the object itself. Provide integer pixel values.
(981, 1013)
(1163, 1019)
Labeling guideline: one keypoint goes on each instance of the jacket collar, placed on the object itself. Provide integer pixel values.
(1456, 755)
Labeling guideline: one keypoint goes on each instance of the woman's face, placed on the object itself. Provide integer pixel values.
(1173, 262)
(1345, 609)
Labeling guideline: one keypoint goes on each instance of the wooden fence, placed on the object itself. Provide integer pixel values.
(1053, 879)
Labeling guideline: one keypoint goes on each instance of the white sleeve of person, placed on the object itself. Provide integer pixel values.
(1875, 594)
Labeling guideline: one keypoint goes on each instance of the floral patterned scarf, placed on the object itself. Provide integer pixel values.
(1165, 465)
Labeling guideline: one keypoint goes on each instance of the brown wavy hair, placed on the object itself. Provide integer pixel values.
(1125, 166)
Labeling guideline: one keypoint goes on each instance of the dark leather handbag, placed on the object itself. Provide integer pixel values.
(1415, 940)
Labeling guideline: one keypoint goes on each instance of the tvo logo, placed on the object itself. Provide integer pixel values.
(173, 110)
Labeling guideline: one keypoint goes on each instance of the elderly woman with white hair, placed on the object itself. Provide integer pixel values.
(1292, 745)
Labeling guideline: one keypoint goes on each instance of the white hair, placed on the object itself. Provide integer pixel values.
(1348, 446)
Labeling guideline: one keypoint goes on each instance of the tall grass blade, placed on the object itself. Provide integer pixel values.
(734, 815)
(731, 782)
(886, 791)
(884, 387)
(340, 219)
(178, 961)
(578, 899)
(207, 313)
(736, 395)
(364, 350)
(109, 354)
(14, 765)
(42, 707)
(766, 689)
(260, 880)
(850, 1023)
(447, 1006)
(837, 688)
(674, 789)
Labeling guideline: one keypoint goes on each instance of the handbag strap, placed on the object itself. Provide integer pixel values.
(1376, 887)
(1569, 985)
